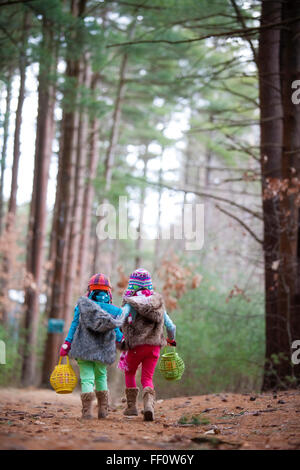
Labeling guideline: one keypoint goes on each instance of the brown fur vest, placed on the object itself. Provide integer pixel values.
(147, 326)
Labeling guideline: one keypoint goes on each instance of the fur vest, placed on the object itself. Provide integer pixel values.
(95, 338)
(147, 326)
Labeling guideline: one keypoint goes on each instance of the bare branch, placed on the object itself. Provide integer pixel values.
(240, 222)
(224, 34)
(14, 2)
(197, 193)
(241, 19)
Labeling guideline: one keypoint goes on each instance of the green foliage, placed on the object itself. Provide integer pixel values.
(11, 371)
(221, 343)
(195, 420)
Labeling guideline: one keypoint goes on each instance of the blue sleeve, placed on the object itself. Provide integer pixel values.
(74, 325)
(126, 310)
(171, 328)
(119, 335)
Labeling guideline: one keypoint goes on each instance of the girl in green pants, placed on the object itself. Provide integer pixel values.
(92, 373)
(92, 341)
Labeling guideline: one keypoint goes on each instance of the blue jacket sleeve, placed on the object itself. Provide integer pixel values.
(170, 327)
(119, 335)
(126, 309)
(74, 325)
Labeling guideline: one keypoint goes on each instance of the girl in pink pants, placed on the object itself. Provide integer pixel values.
(143, 329)
(147, 356)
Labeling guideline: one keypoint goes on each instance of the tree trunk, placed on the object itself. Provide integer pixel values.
(288, 282)
(4, 147)
(38, 211)
(77, 211)
(12, 203)
(271, 146)
(64, 180)
(83, 272)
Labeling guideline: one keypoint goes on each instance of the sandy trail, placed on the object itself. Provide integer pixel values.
(41, 419)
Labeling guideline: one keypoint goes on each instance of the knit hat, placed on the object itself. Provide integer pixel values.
(140, 279)
(99, 282)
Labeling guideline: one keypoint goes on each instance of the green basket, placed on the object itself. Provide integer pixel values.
(171, 366)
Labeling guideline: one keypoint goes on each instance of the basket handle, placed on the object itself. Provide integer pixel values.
(165, 350)
(60, 359)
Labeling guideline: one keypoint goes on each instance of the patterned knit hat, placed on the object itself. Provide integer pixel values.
(99, 282)
(140, 279)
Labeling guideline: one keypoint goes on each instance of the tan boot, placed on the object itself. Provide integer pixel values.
(148, 398)
(87, 399)
(102, 397)
(131, 396)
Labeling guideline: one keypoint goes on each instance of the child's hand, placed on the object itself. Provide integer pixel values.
(171, 342)
(64, 350)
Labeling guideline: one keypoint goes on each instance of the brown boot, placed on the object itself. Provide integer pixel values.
(102, 397)
(148, 398)
(87, 399)
(131, 395)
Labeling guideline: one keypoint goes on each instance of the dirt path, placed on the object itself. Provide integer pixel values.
(41, 419)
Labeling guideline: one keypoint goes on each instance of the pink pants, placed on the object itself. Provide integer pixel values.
(147, 355)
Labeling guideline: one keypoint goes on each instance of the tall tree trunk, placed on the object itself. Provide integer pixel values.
(12, 203)
(288, 282)
(64, 180)
(78, 210)
(4, 147)
(38, 212)
(271, 147)
(93, 159)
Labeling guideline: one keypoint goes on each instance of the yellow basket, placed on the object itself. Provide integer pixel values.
(171, 366)
(63, 379)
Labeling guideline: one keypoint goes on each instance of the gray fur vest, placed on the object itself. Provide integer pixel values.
(95, 338)
(147, 326)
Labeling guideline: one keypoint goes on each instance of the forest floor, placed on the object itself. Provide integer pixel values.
(41, 419)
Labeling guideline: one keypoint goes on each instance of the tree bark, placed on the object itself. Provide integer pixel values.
(78, 210)
(288, 282)
(4, 147)
(12, 203)
(38, 211)
(271, 147)
(93, 159)
(64, 180)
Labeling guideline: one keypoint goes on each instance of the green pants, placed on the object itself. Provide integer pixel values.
(92, 373)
